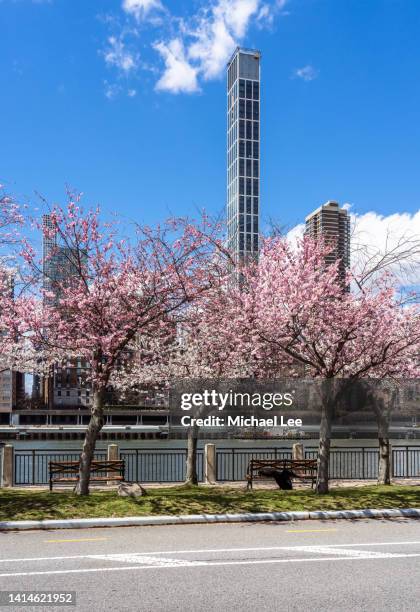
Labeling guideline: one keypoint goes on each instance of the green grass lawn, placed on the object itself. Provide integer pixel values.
(25, 504)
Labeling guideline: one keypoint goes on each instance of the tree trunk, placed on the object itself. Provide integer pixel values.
(330, 390)
(191, 476)
(324, 451)
(384, 472)
(383, 397)
(95, 425)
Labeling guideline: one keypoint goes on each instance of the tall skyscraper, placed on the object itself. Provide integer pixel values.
(243, 151)
(332, 223)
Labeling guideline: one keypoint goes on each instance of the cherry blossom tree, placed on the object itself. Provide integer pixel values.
(10, 221)
(292, 302)
(194, 346)
(112, 292)
(10, 218)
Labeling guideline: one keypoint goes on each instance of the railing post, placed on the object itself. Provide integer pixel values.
(33, 466)
(6, 478)
(406, 462)
(209, 463)
(363, 462)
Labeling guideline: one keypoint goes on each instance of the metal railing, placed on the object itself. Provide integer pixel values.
(362, 463)
(157, 465)
(31, 466)
(160, 465)
(406, 462)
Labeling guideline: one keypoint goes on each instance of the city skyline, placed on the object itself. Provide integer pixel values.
(364, 153)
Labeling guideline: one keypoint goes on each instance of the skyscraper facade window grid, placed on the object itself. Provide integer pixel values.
(243, 151)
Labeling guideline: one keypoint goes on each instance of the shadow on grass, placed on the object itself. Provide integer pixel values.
(26, 505)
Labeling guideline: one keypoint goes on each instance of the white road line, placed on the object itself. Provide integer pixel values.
(191, 564)
(212, 550)
(145, 559)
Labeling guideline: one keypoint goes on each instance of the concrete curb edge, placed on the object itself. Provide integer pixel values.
(186, 519)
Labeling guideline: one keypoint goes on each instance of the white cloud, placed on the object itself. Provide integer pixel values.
(131, 93)
(307, 73)
(140, 9)
(194, 46)
(217, 31)
(111, 90)
(119, 56)
(179, 75)
(373, 235)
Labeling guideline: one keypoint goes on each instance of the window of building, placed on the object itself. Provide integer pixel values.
(255, 223)
(241, 88)
(249, 223)
(241, 148)
(249, 167)
(256, 110)
(241, 204)
(249, 148)
(255, 130)
(242, 109)
(249, 130)
(241, 167)
(241, 186)
(249, 109)
(241, 128)
(256, 169)
(248, 205)
(255, 187)
(256, 151)
(248, 186)
(241, 242)
(249, 89)
(256, 90)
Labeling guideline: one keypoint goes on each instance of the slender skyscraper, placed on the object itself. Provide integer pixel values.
(243, 151)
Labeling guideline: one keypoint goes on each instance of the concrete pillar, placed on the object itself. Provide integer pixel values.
(112, 455)
(298, 451)
(210, 463)
(6, 478)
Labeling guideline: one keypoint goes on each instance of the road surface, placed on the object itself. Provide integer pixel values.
(371, 565)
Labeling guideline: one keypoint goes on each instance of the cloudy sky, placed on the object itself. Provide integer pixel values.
(125, 100)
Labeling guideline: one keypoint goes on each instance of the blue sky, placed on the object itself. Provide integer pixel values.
(125, 101)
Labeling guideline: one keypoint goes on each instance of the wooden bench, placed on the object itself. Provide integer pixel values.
(304, 469)
(100, 471)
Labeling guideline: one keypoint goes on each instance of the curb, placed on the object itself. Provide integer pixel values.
(189, 519)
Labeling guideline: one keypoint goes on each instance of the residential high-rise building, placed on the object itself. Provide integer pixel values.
(12, 383)
(67, 385)
(243, 151)
(332, 224)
